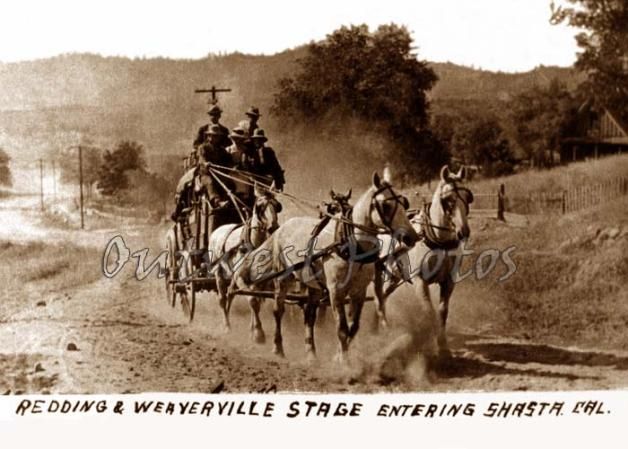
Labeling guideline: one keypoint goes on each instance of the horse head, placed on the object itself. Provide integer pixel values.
(339, 203)
(266, 209)
(385, 210)
(450, 205)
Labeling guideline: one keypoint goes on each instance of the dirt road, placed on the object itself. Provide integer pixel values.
(119, 335)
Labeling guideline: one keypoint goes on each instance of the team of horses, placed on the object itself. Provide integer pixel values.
(377, 240)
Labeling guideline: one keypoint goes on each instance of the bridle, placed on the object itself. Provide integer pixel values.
(432, 239)
(399, 200)
(348, 246)
(456, 189)
(261, 204)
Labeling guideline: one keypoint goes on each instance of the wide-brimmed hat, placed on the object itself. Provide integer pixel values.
(215, 130)
(238, 133)
(214, 109)
(253, 112)
(259, 134)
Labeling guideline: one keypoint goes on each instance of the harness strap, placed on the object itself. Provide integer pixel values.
(429, 236)
(245, 235)
(297, 266)
(320, 226)
(349, 248)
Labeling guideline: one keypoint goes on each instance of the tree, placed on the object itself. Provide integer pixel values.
(604, 44)
(69, 165)
(5, 171)
(480, 141)
(371, 76)
(542, 117)
(112, 177)
(443, 128)
(148, 190)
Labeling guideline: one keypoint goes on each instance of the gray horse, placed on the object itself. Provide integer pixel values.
(336, 261)
(230, 242)
(442, 225)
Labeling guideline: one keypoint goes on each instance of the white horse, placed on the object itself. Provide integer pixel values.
(231, 242)
(442, 225)
(337, 262)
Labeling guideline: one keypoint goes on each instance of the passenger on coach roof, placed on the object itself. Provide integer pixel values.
(214, 113)
(267, 163)
(244, 159)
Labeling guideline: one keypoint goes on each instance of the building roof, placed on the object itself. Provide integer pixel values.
(606, 126)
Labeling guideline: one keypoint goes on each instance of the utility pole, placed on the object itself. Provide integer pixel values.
(41, 183)
(213, 90)
(80, 154)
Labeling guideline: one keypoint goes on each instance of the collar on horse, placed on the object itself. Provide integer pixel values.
(428, 235)
(346, 245)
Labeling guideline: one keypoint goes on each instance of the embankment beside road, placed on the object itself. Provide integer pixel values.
(570, 283)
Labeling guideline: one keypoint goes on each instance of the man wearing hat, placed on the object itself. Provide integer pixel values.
(212, 150)
(243, 158)
(209, 152)
(214, 113)
(250, 124)
(267, 163)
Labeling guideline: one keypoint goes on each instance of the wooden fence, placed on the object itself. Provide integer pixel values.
(591, 195)
(561, 202)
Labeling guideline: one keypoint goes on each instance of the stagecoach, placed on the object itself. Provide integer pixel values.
(197, 249)
(190, 263)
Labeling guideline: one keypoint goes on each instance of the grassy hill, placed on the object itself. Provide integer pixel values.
(47, 104)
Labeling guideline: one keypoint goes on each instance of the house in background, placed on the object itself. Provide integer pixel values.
(599, 132)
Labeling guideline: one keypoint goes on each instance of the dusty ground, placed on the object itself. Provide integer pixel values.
(120, 335)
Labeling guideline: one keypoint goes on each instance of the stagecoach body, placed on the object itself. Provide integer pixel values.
(188, 265)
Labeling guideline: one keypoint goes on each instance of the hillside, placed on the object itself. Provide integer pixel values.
(46, 104)
(570, 282)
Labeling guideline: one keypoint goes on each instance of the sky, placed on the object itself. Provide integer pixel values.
(506, 35)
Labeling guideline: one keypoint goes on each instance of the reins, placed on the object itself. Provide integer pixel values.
(216, 171)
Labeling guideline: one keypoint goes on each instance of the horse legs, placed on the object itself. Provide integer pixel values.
(446, 289)
(278, 311)
(257, 332)
(321, 314)
(380, 298)
(357, 302)
(225, 298)
(342, 328)
(309, 315)
(427, 327)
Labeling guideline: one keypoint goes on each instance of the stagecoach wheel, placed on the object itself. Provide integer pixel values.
(185, 272)
(193, 306)
(171, 272)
